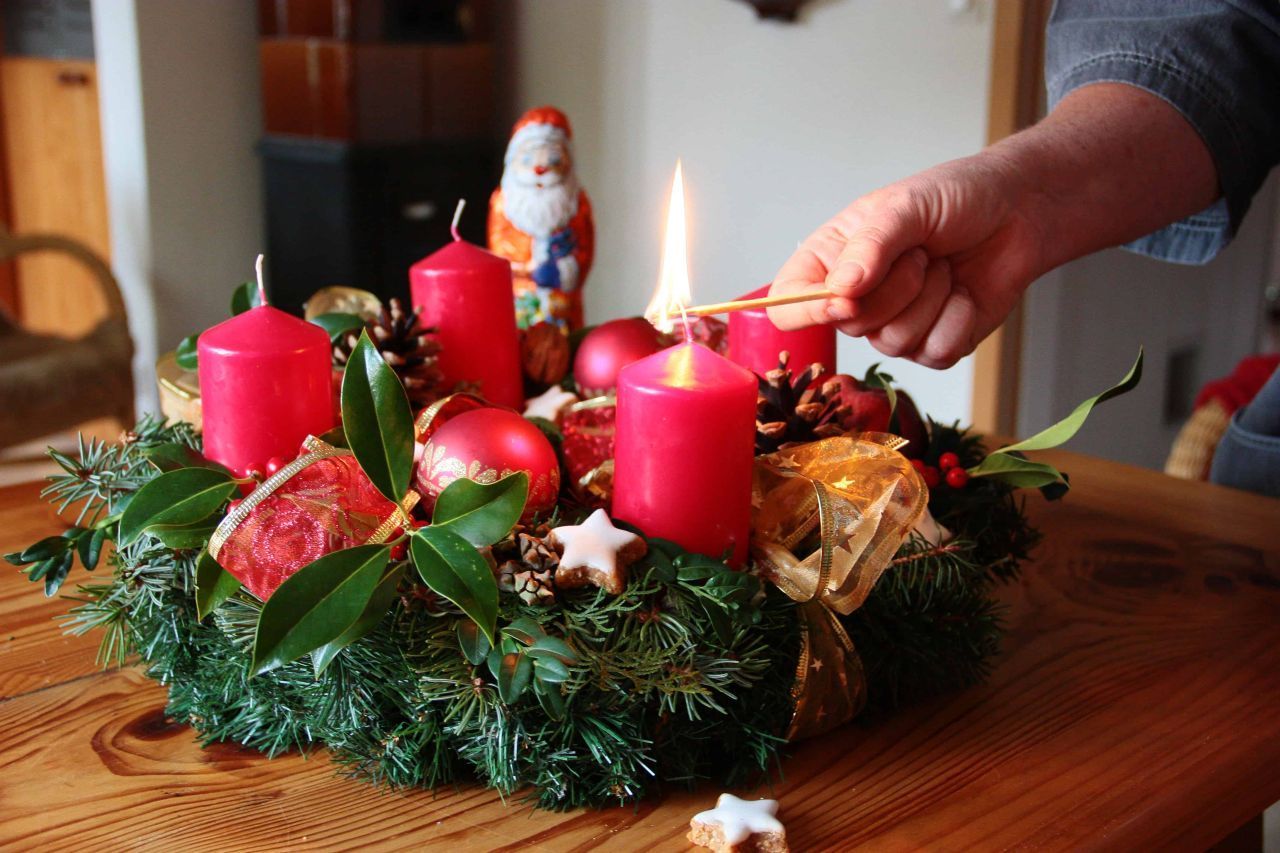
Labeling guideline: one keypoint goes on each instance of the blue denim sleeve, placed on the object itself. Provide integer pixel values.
(1216, 61)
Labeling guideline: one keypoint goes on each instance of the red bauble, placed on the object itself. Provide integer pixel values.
(486, 445)
(610, 347)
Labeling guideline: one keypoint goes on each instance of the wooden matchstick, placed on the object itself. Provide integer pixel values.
(744, 304)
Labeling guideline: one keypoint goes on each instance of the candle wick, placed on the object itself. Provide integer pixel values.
(262, 290)
(688, 327)
(457, 216)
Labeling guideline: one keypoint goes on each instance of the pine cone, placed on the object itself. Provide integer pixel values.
(410, 352)
(530, 575)
(795, 410)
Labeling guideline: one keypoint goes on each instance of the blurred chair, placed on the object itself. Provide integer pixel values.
(49, 384)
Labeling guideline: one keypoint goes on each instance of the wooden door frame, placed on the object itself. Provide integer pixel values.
(1014, 102)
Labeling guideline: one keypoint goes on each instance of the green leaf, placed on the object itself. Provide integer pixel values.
(90, 547)
(482, 513)
(50, 546)
(338, 325)
(454, 569)
(244, 297)
(1064, 429)
(214, 585)
(379, 603)
(550, 669)
(475, 646)
(553, 648)
(335, 437)
(524, 630)
(1019, 472)
(514, 674)
(876, 379)
(550, 698)
(171, 456)
(185, 536)
(175, 499)
(316, 605)
(187, 355)
(377, 420)
(57, 573)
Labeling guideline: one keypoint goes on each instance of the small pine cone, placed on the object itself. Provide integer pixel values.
(544, 353)
(533, 587)
(536, 554)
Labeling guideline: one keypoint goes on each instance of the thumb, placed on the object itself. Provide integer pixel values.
(886, 226)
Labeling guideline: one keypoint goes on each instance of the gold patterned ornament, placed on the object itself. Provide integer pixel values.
(829, 517)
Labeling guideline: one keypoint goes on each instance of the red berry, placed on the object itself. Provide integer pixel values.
(932, 476)
(274, 464)
(947, 461)
(957, 478)
(918, 464)
(399, 551)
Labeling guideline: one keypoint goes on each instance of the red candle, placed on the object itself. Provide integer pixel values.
(684, 451)
(265, 386)
(754, 342)
(465, 293)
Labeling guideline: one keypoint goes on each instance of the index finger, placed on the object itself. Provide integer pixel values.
(806, 271)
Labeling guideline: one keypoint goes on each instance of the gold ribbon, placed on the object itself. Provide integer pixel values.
(315, 451)
(463, 401)
(829, 517)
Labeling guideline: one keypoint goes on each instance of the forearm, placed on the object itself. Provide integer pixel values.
(1110, 164)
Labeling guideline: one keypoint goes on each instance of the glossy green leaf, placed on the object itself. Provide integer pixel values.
(186, 354)
(550, 698)
(175, 499)
(482, 513)
(317, 604)
(514, 674)
(550, 669)
(244, 297)
(57, 573)
(335, 437)
(214, 585)
(1017, 471)
(524, 630)
(171, 456)
(338, 325)
(50, 546)
(554, 648)
(89, 546)
(185, 536)
(454, 569)
(384, 595)
(377, 420)
(475, 646)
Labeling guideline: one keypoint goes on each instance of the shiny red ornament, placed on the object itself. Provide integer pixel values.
(610, 347)
(486, 445)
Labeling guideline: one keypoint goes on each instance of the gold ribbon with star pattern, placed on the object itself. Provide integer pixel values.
(828, 518)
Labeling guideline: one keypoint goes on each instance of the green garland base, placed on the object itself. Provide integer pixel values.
(683, 678)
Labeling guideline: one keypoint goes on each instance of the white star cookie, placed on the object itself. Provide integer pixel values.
(549, 404)
(595, 552)
(739, 825)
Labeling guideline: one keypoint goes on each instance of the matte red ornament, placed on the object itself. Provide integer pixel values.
(486, 445)
(610, 347)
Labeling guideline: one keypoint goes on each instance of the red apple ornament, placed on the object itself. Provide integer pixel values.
(486, 445)
(610, 347)
(869, 411)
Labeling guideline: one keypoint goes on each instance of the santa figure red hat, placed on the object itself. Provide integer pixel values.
(540, 220)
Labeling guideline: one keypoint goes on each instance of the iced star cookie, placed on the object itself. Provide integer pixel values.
(739, 826)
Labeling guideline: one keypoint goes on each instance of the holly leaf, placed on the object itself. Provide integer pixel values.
(384, 594)
(214, 585)
(172, 455)
(316, 605)
(244, 297)
(187, 355)
(454, 569)
(482, 513)
(338, 325)
(514, 674)
(175, 499)
(377, 420)
(475, 646)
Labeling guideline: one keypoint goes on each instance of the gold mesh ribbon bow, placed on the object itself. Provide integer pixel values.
(829, 517)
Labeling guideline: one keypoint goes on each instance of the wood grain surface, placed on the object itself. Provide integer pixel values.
(1136, 706)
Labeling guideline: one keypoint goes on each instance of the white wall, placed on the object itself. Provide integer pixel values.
(181, 114)
(779, 126)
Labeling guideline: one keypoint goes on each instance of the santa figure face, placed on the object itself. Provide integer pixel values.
(541, 163)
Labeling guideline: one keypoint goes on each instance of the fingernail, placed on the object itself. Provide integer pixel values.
(839, 310)
(848, 274)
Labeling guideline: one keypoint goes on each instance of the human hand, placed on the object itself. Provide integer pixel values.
(924, 268)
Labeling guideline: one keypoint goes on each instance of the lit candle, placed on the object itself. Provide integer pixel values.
(685, 430)
(264, 385)
(465, 293)
(755, 343)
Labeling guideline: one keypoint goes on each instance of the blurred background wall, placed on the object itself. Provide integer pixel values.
(779, 126)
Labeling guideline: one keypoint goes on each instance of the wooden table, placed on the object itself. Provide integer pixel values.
(1136, 707)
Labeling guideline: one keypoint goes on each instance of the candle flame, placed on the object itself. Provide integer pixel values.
(672, 295)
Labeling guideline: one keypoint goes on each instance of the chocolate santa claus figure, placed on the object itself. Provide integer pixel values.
(540, 220)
